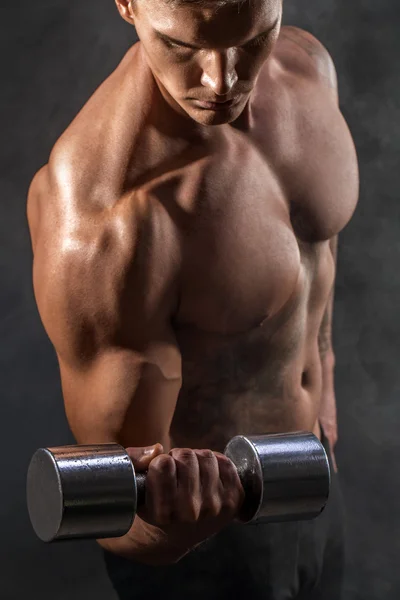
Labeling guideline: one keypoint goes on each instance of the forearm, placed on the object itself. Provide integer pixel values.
(325, 333)
(327, 413)
(328, 397)
(144, 544)
(328, 360)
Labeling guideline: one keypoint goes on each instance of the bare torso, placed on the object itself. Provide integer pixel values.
(235, 235)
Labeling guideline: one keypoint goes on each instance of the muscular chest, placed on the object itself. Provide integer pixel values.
(249, 235)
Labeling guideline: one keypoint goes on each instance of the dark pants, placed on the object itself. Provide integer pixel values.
(270, 561)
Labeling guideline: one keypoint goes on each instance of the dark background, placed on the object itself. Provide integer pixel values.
(54, 53)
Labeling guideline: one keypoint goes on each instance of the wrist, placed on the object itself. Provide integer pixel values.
(144, 544)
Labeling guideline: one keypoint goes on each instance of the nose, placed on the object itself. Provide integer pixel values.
(219, 72)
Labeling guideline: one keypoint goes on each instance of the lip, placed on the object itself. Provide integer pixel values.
(217, 105)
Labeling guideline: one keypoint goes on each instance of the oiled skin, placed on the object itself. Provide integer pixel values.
(228, 238)
(183, 278)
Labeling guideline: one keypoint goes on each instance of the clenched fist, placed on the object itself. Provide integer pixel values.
(190, 494)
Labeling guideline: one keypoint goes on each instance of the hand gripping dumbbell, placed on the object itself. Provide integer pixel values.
(93, 491)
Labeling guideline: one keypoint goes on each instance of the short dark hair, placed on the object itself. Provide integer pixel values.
(208, 3)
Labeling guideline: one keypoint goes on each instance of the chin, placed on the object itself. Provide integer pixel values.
(213, 118)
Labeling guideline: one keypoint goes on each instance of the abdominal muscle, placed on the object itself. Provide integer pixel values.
(267, 380)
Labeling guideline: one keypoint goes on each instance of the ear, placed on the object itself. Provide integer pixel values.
(125, 10)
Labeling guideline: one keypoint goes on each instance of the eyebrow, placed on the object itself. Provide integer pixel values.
(166, 37)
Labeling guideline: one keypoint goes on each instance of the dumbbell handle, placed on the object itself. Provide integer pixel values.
(141, 488)
(94, 491)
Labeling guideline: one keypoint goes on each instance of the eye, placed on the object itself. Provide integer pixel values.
(258, 42)
(170, 44)
(177, 46)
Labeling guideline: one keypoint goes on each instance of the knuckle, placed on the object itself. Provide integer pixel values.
(183, 454)
(163, 465)
(221, 456)
(225, 462)
(207, 454)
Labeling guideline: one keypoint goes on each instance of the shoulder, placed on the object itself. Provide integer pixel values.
(307, 76)
(303, 54)
(39, 189)
(77, 214)
(94, 248)
(83, 180)
(88, 159)
(80, 258)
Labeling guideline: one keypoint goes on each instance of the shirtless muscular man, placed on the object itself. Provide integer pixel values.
(184, 233)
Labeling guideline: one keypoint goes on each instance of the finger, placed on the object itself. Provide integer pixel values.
(233, 491)
(188, 502)
(141, 457)
(210, 483)
(227, 471)
(161, 490)
(335, 467)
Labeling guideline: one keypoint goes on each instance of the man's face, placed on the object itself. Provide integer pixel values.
(206, 55)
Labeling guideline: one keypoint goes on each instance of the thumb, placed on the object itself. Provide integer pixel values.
(142, 457)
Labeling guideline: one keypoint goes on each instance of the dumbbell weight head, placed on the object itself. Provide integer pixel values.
(81, 492)
(93, 491)
(286, 477)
